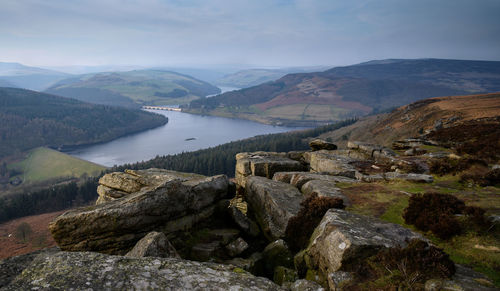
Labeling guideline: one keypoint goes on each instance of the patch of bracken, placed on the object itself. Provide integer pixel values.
(482, 177)
(478, 138)
(402, 268)
(301, 226)
(446, 166)
(436, 212)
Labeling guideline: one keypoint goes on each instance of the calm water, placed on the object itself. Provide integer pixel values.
(172, 138)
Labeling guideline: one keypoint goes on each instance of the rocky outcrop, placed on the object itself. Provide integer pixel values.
(263, 164)
(154, 244)
(273, 203)
(119, 184)
(343, 238)
(324, 188)
(465, 279)
(411, 177)
(372, 150)
(330, 163)
(319, 144)
(116, 226)
(11, 267)
(94, 271)
(298, 179)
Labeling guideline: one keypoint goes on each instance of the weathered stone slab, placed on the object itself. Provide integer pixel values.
(116, 226)
(154, 244)
(298, 179)
(343, 238)
(94, 271)
(119, 184)
(411, 177)
(464, 279)
(324, 188)
(263, 164)
(273, 203)
(327, 162)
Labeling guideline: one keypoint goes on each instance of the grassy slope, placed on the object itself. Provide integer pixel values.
(416, 118)
(43, 164)
(387, 201)
(141, 86)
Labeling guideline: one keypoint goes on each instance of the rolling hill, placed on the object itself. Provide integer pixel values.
(254, 77)
(422, 117)
(33, 78)
(30, 119)
(343, 92)
(133, 88)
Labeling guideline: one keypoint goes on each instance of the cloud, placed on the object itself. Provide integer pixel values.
(300, 32)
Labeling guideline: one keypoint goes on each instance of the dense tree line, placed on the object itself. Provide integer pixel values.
(30, 119)
(53, 198)
(211, 161)
(221, 159)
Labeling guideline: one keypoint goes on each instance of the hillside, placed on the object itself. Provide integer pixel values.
(254, 77)
(42, 164)
(343, 92)
(421, 117)
(30, 119)
(33, 78)
(133, 88)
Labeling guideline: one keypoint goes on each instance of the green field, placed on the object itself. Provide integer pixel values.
(43, 164)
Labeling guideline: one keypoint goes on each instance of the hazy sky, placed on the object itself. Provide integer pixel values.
(257, 32)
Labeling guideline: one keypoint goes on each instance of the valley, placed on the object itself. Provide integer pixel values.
(357, 90)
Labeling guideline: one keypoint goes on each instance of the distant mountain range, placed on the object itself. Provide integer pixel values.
(133, 88)
(342, 92)
(17, 75)
(30, 119)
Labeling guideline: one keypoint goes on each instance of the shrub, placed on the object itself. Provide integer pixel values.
(446, 166)
(23, 232)
(301, 226)
(435, 212)
(478, 138)
(402, 268)
(482, 177)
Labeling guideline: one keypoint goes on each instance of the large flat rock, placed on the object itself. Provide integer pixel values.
(330, 163)
(324, 188)
(94, 271)
(343, 238)
(263, 164)
(273, 203)
(114, 227)
(119, 184)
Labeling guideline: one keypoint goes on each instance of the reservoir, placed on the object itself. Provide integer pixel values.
(183, 133)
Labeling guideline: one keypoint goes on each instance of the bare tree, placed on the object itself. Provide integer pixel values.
(23, 232)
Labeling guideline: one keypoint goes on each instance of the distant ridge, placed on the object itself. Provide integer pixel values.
(18, 75)
(134, 88)
(343, 92)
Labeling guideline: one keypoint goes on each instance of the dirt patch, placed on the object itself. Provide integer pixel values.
(39, 237)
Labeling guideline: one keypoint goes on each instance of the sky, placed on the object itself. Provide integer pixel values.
(262, 33)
